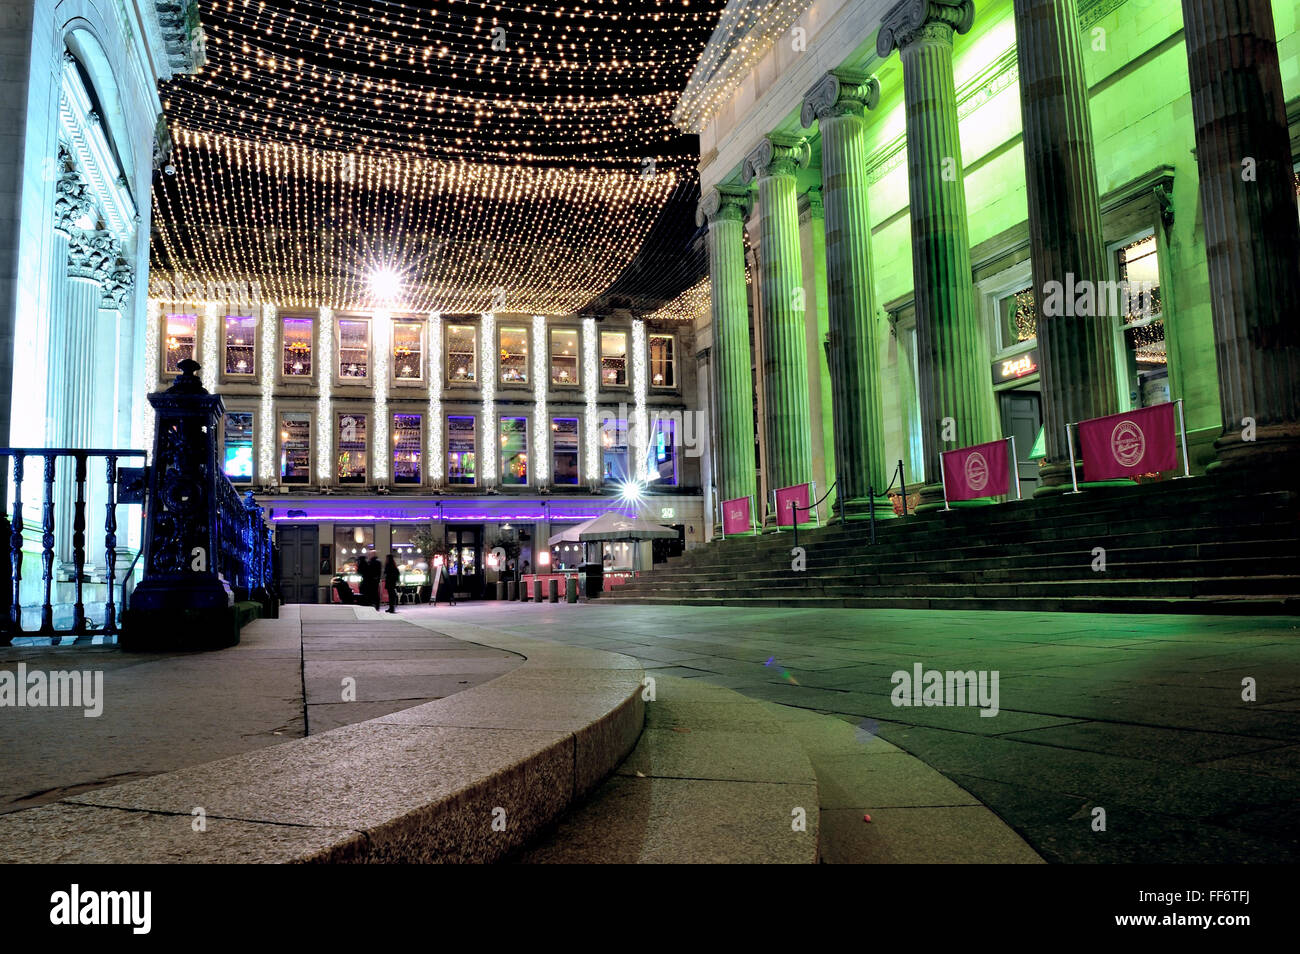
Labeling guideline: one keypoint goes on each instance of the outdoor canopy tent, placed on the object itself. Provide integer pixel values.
(616, 526)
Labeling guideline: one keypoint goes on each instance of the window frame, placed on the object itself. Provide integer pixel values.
(335, 438)
(446, 448)
(240, 377)
(673, 388)
(312, 479)
(627, 356)
(392, 448)
(164, 374)
(552, 416)
(477, 363)
(531, 470)
(577, 357)
(253, 415)
(526, 380)
(422, 334)
(310, 377)
(349, 381)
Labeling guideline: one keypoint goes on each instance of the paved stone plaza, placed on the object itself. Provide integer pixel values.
(1141, 716)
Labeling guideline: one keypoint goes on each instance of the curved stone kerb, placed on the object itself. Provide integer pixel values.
(838, 93)
(911, 20)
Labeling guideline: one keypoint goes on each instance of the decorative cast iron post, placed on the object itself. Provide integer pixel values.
(183, 602)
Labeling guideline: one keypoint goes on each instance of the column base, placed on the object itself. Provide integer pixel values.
(859, 508)
(1275, 449)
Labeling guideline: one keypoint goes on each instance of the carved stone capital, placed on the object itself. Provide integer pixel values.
(913, 20)
(91, 255)
(840, 93)
(71, 194)
(810, 204)
(117, 285)
(776, 155)
(723, 202)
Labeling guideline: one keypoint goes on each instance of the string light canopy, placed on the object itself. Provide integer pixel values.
(444, 155)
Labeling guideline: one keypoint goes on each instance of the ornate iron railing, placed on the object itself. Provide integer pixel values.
(244, 543)
(69, 469)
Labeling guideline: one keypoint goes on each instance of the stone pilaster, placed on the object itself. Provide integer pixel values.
(1251, 235)
(952, 348)
(785, 355)
(1076, 351)
(725, 208)
(838, 104)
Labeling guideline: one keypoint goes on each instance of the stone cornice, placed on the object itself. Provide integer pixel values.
(913, 20)
(840, 93)
(776, 155)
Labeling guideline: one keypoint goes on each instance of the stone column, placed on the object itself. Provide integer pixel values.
(71, 207)
(110, 390)
(952, 347)
(1251, 234)
(1076, 349)
(725, 208)
(838, 103)
(785, 354)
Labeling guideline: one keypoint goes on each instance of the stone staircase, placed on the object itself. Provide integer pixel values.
(1201, 545)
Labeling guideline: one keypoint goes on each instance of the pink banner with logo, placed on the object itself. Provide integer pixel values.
(979, 471)
(796, 495)
(737, 516)
(1123, 445)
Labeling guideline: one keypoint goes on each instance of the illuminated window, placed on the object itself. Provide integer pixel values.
(514, 355)
(295, 447)
(461, 441)
(564, 451)
(406, 448)
(613, 449)
(663, 369)
(564, 357)
(1017, 318)
(462, 342)
(613, 359)
(351, 546)
(241, 338)
(296, 342)
(408, 350)
(1146, 359)
(662, 466)
(350, 439)
(514, 451)
(181, 330)
(354, 348)
(237, 447)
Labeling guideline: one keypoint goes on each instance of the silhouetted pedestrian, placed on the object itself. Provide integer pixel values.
(370, 575)
(392, 576)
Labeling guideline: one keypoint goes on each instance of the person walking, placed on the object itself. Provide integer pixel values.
(392, 576)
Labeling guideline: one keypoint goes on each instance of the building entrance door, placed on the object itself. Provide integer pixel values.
(1022, 417)
(299, 563)
(465, 560)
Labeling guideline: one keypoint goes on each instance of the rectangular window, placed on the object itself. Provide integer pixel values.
(237, 443)
(241, 338)
(662, 466)
(613, 446)
(295, 447)
(296, 342)
(1017, 319)
(350, 439)
(408, 350)
(514, 355)
(410, 562)
(351, 545)
(406, 448)
(564, 357)
(461, 442)
(462, 344)
(663, 368)
(564, 451)
(181, 331)
(1143, 326)
(613, 359)
(354, 348)
(514, 451)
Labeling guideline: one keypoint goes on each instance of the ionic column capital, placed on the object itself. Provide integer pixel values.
(776, 155)
(840, 93)
(727, 202)
(913, 20)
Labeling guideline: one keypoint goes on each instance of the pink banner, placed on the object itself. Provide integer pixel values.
(1124, 445)
(737, 516)
(797, 495)
(978, 471)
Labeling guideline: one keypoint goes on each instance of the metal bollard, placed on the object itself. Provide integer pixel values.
(501, 589)
(553, 590)
(571, 589)
(512, 590)
(523, 591)
(537, 591)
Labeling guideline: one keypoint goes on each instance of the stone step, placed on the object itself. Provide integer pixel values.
(1206, 603)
